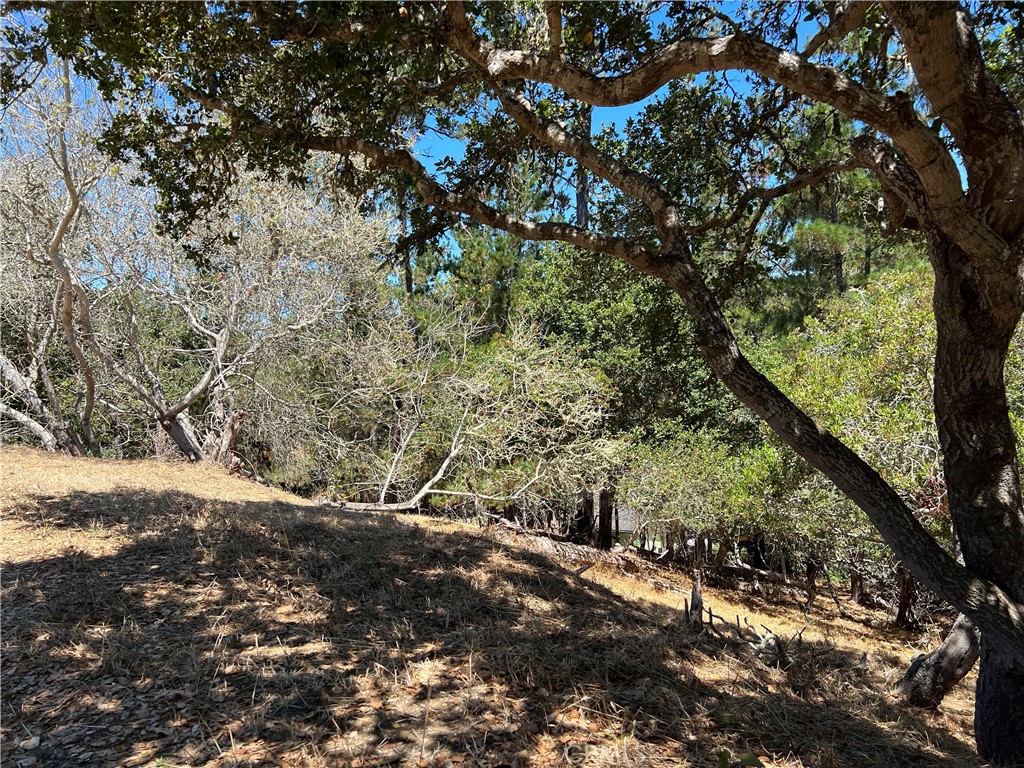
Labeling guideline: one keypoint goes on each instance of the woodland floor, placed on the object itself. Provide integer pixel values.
(157, 614)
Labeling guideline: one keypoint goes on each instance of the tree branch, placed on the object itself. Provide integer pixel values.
(893, 115)
(44, 435)
(767, 194)
(843, 23)
(553, 9)
(988, 130)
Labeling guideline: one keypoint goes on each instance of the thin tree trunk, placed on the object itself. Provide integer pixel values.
(905, 611)
(857, 591)
(181, 433)
(837, 263)
(604, 526)
(811, 584)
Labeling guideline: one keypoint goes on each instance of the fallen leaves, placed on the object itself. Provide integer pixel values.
(248, 631)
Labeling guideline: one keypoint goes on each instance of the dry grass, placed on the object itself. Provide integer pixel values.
(161, 614)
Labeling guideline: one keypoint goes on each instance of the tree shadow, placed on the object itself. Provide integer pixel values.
(260, 634)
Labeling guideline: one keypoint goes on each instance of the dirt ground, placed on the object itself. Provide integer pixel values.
(158, 614)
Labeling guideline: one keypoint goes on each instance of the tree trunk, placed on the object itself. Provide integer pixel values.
(999, 705)
(220, 445)
(857, 592)
(604, 518)
(581, 529)
(694, 613)
(905, 612)
(181, 433)
(931, 676)
(724, 546)
(837, 265)
(811, 584)
(980, 460)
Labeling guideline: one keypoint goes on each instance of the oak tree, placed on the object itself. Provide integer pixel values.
(933, 90)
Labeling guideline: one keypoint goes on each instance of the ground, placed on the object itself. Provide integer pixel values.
(159, 614)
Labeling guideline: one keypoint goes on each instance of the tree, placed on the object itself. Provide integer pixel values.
(47, 179)
(932, 86)
(171, 324)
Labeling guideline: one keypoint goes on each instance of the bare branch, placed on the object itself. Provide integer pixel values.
(46, 438)
(766, 194)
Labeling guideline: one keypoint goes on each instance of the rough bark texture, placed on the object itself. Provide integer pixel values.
(931, 676)
(999, 704)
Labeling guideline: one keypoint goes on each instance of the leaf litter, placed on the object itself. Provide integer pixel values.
(158, 614)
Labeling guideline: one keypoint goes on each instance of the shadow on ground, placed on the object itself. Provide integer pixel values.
(261, 634)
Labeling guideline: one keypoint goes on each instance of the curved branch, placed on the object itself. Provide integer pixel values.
(899, 180)
(977, 597)
(436, 195)
(49, 442)
(637, 185)
(843, 23)
(988, 130)
(892, 115)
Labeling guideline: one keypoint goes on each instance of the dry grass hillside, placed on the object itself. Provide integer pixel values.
(165, 615)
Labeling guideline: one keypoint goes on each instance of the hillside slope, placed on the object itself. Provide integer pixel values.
(164, 614)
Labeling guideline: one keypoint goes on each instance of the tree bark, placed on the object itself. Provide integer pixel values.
(604, 519)
(999, 704)
(724, 547)
(181, 433)
(905, 610)
(931, 676)
(582, 527)
(980, 461)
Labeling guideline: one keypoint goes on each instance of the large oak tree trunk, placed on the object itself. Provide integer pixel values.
(982, 475)
(999, 705)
